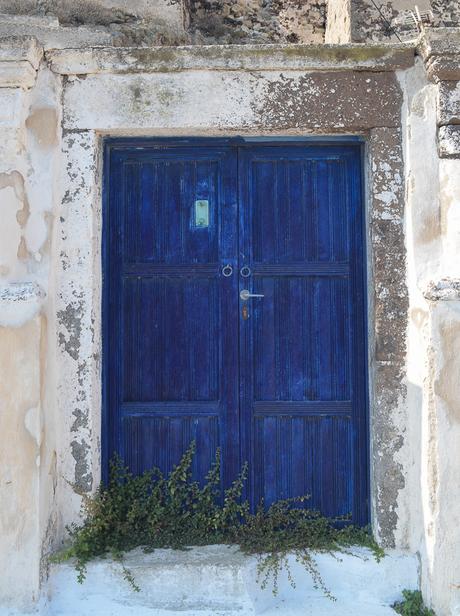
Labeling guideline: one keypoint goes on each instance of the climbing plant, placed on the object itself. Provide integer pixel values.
(412, 604)
(157, 511)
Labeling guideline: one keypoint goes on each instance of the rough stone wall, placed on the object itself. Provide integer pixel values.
(258, 21)
(360, 21)
(164, 22)
(377, 21)
(74, 23)
(114, 22)
(446, 13)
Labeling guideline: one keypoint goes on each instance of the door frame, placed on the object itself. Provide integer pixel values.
(116, 143)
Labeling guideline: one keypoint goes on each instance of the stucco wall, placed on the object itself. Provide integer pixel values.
(55, 110)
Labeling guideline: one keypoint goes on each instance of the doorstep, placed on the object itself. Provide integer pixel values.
(220, 581)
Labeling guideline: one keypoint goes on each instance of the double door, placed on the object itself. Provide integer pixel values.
(234, 314)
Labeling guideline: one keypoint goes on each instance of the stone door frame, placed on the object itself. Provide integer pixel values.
(275, 98)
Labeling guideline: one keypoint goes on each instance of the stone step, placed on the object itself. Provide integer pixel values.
(220, 581)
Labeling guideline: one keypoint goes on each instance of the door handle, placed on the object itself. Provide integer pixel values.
(245, 295)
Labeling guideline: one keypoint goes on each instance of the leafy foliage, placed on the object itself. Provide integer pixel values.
(412, 604)
(154, 511)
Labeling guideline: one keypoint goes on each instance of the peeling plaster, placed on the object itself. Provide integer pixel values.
(330, 100)
(390, 323)
(83, 477)
(19, 303)
(42, 122)
(445, 290)
(71, 318)
(15, 212)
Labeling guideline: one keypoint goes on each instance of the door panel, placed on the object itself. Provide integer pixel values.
(278, 381)
(172, 361)
(171, 331)
(302, 341)
(302, 454)
(301, 353)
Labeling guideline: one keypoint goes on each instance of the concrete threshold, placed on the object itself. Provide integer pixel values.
(221, 581)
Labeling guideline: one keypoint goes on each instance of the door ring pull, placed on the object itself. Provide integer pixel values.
(227, 271)
(245, 271)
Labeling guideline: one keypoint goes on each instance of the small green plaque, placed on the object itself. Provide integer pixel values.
(201, 213)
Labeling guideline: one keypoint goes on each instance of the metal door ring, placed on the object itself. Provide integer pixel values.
(245, 271)
(227, 271)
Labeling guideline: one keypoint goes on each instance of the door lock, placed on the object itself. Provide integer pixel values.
(245, 295)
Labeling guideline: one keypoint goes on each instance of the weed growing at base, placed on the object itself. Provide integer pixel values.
(153, 511)
(412, 604)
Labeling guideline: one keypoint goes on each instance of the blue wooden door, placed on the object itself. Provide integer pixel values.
(171, 358)
(192, 230)
(302, 344)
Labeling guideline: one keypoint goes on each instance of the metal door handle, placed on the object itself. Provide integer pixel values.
(227, 271)
(245, 295)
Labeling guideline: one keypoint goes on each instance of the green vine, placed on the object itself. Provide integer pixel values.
(153, 511)
(412, 604)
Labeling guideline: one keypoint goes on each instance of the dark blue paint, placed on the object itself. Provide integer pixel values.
(285, 389)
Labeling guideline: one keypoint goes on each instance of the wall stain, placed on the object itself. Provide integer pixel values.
(71, 318)
(447, 383)
(42, 122)
(83, 477)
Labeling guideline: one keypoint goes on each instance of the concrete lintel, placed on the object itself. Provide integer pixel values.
(231, 57)
(19, 61)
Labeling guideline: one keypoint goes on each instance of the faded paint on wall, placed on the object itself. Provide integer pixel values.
(22, 434)
(443, 583)
(27, 184)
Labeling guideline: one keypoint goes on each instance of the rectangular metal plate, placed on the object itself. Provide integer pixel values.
(201, 213)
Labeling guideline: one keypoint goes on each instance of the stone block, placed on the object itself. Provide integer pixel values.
(449, 102)
(449, 141)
